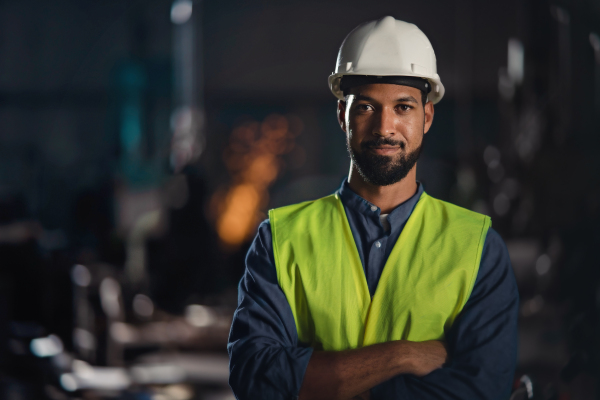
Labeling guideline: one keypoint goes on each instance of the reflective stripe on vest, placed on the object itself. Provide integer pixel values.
(424, 285)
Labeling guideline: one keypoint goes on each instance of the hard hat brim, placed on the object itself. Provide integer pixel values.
(436, 94)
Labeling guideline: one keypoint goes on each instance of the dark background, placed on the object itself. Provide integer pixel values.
(87, 92)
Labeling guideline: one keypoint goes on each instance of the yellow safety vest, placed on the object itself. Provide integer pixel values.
(424, 285)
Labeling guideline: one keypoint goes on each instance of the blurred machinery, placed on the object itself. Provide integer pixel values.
(137, 344)
(549, 115)
(140, 330)
(123, 348)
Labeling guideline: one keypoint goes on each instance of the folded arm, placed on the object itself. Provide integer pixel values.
(346, 374)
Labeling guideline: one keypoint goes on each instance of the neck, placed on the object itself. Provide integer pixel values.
(385, 197)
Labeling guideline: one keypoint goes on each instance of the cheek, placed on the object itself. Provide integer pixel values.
(414, 141)
(412, 130)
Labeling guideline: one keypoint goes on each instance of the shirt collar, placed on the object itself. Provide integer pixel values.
(398, 215)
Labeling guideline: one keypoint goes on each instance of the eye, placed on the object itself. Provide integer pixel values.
(404, 107)
(363, 107)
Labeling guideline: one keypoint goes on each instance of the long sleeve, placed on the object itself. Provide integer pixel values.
(482, 342)
(266, 360)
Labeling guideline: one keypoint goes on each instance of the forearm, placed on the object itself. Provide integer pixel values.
(345, 374)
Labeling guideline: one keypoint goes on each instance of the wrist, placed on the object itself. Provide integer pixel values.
(405, 360)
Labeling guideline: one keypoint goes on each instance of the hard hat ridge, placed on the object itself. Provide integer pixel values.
(387, 47)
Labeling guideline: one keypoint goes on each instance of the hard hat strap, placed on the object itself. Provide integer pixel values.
(350, 81)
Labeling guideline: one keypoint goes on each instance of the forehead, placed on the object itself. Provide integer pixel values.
(386, 91)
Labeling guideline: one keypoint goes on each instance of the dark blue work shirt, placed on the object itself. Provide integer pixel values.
(268, 362)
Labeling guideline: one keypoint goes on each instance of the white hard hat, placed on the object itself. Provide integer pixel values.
(387, 47)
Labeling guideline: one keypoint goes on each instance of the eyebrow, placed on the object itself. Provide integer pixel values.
(401, 99)
(409, 99)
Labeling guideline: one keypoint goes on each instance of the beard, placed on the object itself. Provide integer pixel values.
(380, 170)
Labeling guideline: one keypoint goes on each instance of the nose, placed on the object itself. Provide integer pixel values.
(384, 124)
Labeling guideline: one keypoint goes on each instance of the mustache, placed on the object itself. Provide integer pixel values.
(381, 142)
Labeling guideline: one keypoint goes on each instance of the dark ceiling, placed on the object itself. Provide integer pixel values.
(269, 49)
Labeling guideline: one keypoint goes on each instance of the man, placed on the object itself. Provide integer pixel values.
(378, 291)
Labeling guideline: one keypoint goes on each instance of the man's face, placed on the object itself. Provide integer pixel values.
(384, 125)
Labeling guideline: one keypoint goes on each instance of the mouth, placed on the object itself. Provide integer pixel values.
(384, 150)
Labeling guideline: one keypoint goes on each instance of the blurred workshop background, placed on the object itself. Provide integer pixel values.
(141, 143)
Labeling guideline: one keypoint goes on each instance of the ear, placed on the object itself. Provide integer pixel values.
(341, 114)
(428, 116)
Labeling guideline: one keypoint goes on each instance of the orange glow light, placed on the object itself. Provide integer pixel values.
(253, 159)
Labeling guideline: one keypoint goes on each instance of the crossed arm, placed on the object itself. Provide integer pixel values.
(351, 374)
(267, 361)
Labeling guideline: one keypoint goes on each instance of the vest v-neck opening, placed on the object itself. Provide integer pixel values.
(373, 242)
(386, 271)
(356, 257)
(399, 243)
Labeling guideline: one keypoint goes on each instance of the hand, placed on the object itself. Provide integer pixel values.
(363, 396)
(425, 357)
